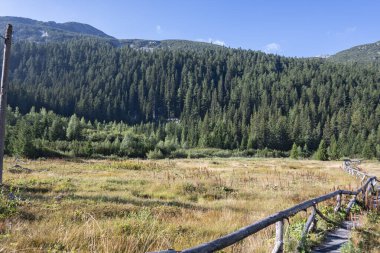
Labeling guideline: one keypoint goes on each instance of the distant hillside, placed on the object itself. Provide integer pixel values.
(38, 31)
(25, 29)
(150, 45)
(366, 53)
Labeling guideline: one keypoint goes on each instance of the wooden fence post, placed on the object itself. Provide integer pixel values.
(350, 204)
(3, 93)
(279, 246)
(306, 228)
(339, 203)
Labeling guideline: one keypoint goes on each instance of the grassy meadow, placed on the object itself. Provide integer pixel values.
(144, 205)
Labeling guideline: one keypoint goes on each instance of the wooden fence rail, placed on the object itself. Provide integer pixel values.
(278, 218)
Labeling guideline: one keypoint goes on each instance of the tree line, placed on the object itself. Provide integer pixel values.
(221, 98)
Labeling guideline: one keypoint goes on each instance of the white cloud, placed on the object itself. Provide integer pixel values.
(44, 34)
(351, 29)
(217, 42)
(344, 32)
(213, 41)
(158, 29)
(272, 48)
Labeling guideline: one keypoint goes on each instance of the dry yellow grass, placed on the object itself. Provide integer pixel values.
(138, 206)
(371, 167)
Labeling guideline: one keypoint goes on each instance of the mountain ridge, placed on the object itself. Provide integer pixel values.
(26, 29)
(51, 31)
(365, 53)
(39, 31)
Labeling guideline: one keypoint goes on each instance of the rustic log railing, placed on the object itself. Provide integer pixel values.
(278, 218)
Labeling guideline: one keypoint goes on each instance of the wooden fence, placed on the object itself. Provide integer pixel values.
(364, 193)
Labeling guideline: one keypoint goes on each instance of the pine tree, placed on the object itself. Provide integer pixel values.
(56, 130)
(294, 152)
(321, 153)
(23, 141)
(333, 151)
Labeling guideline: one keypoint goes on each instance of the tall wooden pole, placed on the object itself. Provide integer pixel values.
(3, 93)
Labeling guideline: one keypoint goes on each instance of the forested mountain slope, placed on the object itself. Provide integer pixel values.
(367, 53)
(25, 29)
(223, 98)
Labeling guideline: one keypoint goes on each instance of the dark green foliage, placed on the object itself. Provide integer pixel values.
(294, 153)
(333, 150)
(57, 130)
(133, 145)
(22, 144)
(155, 154)
(210, 97)
(74, 129)
(321, 153)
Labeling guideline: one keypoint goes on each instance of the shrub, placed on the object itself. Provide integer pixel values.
(178, 154)
(155, 154)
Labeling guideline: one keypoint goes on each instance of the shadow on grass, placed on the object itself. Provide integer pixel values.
(137, 202)
(22, 188)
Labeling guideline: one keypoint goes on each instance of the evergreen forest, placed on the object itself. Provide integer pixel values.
(87, 97)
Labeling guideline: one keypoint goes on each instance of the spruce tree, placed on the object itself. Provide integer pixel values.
(23, 141)
(294, 152)
(321, 153)
(333, 151)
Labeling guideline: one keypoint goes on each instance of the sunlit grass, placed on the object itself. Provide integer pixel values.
(140, 205)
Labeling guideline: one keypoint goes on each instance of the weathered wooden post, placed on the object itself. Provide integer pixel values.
(3, 94)
(370, 190)
(338, 203)
(350, 204)
(279, 246)
(306, 228)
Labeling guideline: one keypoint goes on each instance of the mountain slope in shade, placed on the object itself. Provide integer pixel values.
(366, 53)
(38, 31)
(25, 29)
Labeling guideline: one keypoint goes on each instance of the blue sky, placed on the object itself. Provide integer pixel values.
(291, 28)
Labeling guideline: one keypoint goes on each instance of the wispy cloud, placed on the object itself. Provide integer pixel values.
(272, 48)
(158, 29)
(351, 29)
(344, 32)
(213, 41)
